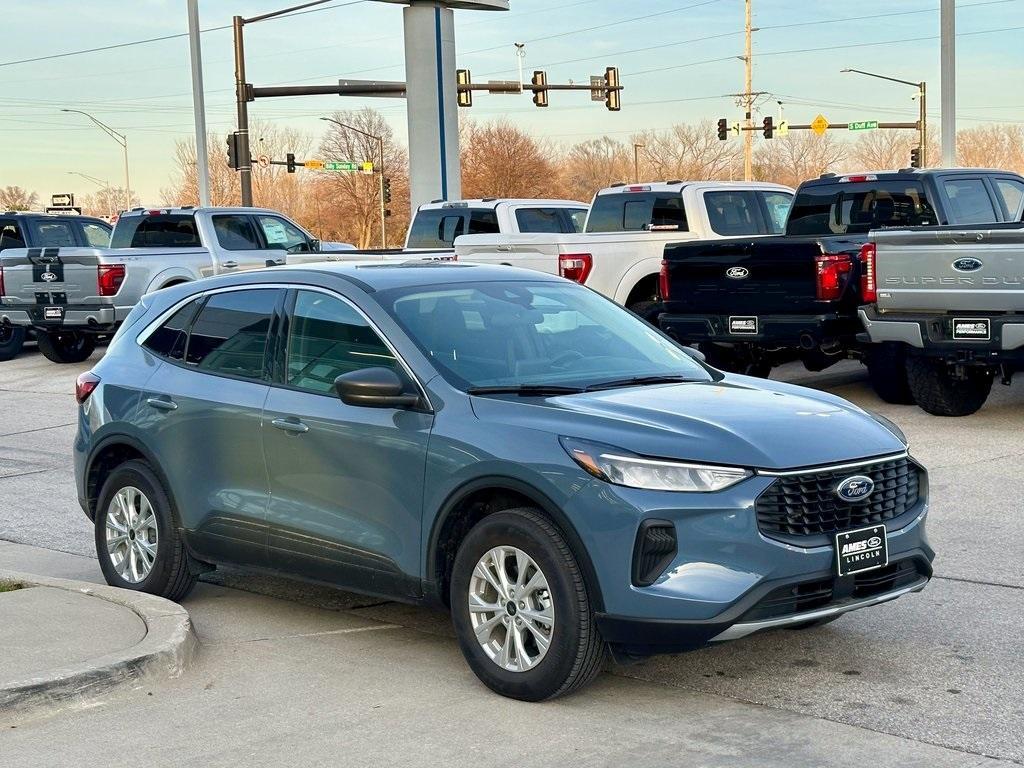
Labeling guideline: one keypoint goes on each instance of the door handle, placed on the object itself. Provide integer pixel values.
(229, 264)
(503, 248)
(162, 404)
(290, 425)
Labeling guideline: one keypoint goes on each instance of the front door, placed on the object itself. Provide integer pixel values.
(346, 482)
(240, 245)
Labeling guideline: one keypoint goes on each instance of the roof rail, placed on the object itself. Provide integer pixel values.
(828, 175)
(489, 199)
(439, 200)
(618, 184)
(674, 181)
(908, 170)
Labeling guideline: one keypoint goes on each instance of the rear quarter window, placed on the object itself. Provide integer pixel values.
(438, 227)
(156, 231)
(637, 211)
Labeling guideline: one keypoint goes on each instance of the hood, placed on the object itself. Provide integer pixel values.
(738, 421)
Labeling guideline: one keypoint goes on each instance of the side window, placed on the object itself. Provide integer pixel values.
(969, 202)
(281, 234)
(577, 219)
(328, 337)
(95, 235)
(169, 339)
(53, 234)
(669, 212)
(230, 334)
(156, 230)
(451, 226)
(483, 223)
(10, 235)
(778, 205)
(235, 233)
(539, 220)
(733, 212)
(635, 215)
(1012, 192)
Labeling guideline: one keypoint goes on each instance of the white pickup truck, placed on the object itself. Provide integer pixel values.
(72, 296)
(437, 224)
(620, 249)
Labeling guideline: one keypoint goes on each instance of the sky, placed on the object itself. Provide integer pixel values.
(678, 61)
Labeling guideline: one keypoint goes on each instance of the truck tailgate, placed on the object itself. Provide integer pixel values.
(950, 269)
(51, 279)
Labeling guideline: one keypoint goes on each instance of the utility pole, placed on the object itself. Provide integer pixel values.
(198, 102)
(636, 161)
(748, 135)
(947, 112)
(242, 100)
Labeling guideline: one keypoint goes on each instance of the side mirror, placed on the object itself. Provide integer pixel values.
(314, 246)
(374, 388)
(696, 354)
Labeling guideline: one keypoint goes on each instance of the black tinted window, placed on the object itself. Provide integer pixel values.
(636, 211)
(484, 222)
(539, 220)
(734, 213)
(327, 338)
(10, 235)
(438, 227)
(230, 334)
(969, 202)
(169, 339)
(236, 233)
(849, 207)
(173, 230)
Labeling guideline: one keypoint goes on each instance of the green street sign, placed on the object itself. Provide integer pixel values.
(343, 166)
(864, 125)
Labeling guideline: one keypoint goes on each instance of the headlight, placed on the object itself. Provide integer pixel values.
(888, 424)
(624, 468)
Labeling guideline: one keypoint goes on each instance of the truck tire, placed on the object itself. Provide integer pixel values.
(521, 610)
(887, 370)
(12, 339)
(939, 394)
(66, 346)
(647, 310)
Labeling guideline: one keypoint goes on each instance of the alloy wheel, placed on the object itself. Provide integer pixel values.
(131, 534)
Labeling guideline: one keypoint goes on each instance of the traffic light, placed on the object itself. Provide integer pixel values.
(769, 127)
(540, 88)
(612, 100)
(723, 129)
(463, 98)
(915, 157)
(387, 190)
(290, 162)
(233, 151)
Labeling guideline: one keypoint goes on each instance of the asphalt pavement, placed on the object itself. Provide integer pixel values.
(283, 674)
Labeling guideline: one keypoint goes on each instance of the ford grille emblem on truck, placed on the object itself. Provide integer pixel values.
(48, 276)
(967, 264)
(737, 273)
(856, 488)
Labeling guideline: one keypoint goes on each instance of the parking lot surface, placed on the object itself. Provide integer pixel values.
(300, 673)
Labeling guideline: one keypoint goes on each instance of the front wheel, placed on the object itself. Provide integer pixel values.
(940, 393)
(521, 610)
(12, 339)
(66, 346)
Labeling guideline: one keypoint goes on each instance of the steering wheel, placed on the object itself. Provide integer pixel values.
(563, 359)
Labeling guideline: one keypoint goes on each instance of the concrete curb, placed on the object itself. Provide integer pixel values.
(166, 650)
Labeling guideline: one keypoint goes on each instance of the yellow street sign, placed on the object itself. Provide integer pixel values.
(783, 128)
(314, 165)
(367, 167)
(819, 125)
(735, 128)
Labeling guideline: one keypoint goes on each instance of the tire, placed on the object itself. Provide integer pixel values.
(644, 309)
(575, 652)
(938, 393)
(12, 339)
(66, 346)
(887, 370)
(168, 574)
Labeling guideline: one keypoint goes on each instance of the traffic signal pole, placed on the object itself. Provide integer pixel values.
(242, 101)
(748, 136)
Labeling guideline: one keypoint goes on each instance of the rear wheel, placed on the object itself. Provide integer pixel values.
(66, 346)
(887, 369)
(940, 393)
(521, 610)
(12, 338)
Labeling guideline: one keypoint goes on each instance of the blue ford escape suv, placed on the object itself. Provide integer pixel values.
(561, 475)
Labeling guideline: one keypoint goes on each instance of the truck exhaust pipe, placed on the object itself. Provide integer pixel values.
(807, 341)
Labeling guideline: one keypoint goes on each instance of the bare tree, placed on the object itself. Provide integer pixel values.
(500, 160)
(992, 146)
(106, 202)
(691, 152)
(885, 149)
(594, 164)
(18, 199)
(799, 156)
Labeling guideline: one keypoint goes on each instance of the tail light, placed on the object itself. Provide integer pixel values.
(575, 266)
(833, 272)
(84, 386)
(109, 278)
(868, 286)
(663, 281)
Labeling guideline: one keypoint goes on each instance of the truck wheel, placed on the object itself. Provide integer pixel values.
(887, 370)
(66, 346)
(521, 610)
(12, 338)
(940, 394)
(645, 310)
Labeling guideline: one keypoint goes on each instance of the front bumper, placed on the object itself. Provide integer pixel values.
(771, 330)
(94, 318)
(932, 335)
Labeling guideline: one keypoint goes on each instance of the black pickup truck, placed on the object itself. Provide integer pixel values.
(754, 303)
(19, 229)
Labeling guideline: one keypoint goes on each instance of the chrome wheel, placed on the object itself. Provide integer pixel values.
(510, 608)
(131, 534)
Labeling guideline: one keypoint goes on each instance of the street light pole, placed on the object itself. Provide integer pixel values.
(636, 160)
(380, 146)
(121, 139)
(922, 120)
(198, 102)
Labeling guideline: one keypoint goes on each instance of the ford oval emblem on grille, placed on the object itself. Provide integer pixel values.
(968, 264)
(856, 488)
(737, 273)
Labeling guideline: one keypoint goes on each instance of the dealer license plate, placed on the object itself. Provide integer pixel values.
(860, 550)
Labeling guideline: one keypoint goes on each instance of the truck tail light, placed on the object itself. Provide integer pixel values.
(84, 386)
(663, 281)
(109, 278)
(833, 271)
(575, 266)
(868, 285)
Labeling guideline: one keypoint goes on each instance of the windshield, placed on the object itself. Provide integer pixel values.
(515, 333)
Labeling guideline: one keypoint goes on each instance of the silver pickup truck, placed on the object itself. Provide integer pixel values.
(953, 299)
(74, 296)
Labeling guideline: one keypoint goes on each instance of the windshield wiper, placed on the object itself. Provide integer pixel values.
(526, 390)
(639, 381)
